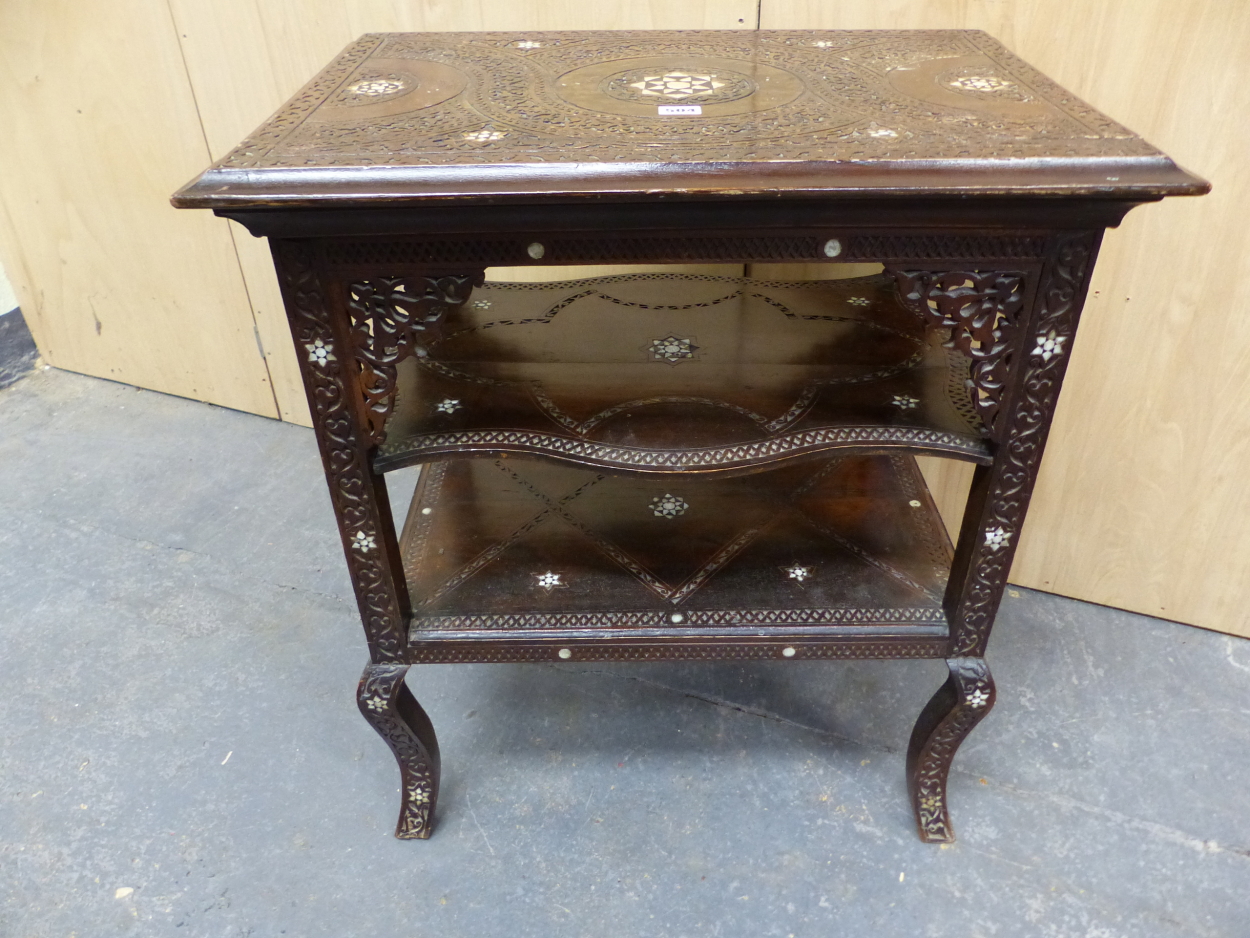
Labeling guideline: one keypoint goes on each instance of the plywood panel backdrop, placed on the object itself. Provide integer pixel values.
(1146, 478)
(97, 125)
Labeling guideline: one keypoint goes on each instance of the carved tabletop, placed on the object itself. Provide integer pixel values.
(675, 466)
(426, 115)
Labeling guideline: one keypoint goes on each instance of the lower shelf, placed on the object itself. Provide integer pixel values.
(513, 559)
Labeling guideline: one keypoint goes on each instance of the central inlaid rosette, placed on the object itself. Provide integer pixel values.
(722, 87)
(678, 86)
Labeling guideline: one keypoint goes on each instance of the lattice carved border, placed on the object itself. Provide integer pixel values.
(446, 653)
(490, 250)
(588, 452)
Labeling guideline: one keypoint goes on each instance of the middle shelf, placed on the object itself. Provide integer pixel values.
(664, 373)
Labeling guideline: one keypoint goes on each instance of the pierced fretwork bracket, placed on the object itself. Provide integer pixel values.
(982, 311)
(392, 318)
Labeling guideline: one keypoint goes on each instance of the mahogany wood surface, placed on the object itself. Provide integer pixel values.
(671, 466)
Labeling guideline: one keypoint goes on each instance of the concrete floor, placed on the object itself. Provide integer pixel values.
(18, 355)
(182, 753)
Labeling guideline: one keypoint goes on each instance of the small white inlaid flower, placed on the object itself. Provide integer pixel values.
(797, 572)
(978, 698)
(480, 304)
(668, 506)
(418, 796)
(1049, 345)
(377, 86)
(882, 132)
(363, 542)
(319, 353)
(550, 581)
(376, 703)
(996, 538)
(859, 301)
(672, 349)
(448, 406)
(905, 402)
(485, 135)
(822, 44)
(528, 44)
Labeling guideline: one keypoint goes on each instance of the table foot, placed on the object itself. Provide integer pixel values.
(959, 705)
(390, 708)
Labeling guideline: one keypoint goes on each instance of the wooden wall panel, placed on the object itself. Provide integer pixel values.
(1146, 480)
(99, 126)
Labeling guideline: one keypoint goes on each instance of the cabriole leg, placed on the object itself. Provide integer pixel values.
(959, 705)
(391, 709)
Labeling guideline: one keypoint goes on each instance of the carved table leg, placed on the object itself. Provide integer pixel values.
(1018, 340)
(390, 708)
(999, 497)
(959, 705)
(349, 338)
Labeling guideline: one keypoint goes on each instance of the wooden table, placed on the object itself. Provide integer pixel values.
(670, 466)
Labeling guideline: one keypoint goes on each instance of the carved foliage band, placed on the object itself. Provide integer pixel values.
(982, 312)
(972, 690)
(341, 447)
(392, 318)
(1023, 438)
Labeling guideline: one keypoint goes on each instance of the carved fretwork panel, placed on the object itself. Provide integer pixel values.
(392, 318)
(982, 312)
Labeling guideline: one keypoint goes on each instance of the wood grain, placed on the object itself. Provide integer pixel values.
(111, 281)
(1145, 479)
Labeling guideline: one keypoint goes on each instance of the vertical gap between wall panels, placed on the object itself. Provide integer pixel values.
(234, 246)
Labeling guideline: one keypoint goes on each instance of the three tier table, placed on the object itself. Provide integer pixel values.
(674, 466)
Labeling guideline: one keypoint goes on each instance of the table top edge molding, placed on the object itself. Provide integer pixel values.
(1129, 179)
